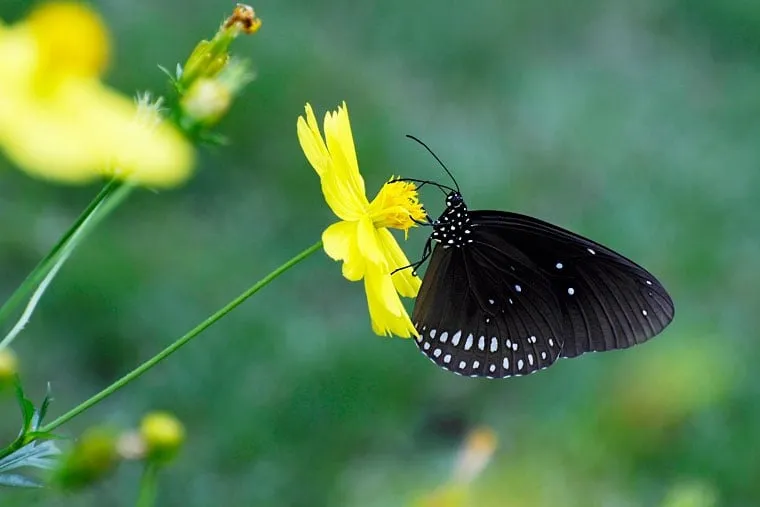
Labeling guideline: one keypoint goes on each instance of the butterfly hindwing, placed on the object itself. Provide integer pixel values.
(480, 313)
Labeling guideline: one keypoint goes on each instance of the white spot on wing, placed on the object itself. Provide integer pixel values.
(492, 368)
(520, 364)
(475, 364)
(644, 312)
(426, 346)
(558, 265)
(462, 365)
(571, 291)
(432, 333)
(447, 358)
(455, 339)
(444, 337)
(530, 359)
(482, 343)
(468, 342)
(437, 353)
(591, 251)
(505, 364)
(518, 288)
(494, 344)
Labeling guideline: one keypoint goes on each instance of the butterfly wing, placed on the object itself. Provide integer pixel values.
(481, 312)
(608, 301)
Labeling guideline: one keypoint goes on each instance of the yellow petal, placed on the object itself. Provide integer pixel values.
(340, 243)
(369, 245)
(83, 131)
(388, 314)
(340, 144)
(58, 121)
(311, 142)
(405, 282)
(342, 201)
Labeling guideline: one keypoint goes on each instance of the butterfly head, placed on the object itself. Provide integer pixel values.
(453, 227)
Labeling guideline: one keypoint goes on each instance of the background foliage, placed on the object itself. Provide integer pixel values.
(635, 123)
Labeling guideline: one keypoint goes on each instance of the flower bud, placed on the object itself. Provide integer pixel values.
(209, 58)
(8, 367)
(163, 435)
(92, 458)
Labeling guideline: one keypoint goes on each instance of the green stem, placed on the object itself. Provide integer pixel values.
(176, 345)
(148, 486)
(73, 238)
(43, 267)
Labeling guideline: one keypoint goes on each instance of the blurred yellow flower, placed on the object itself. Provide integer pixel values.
(163, 435)
(58, 121)
(361, 238)
(475, 454)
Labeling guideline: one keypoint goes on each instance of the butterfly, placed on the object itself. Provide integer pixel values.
(506, 294)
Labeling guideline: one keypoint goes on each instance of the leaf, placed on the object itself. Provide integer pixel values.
(34, 455)
(40, 414)
(18, 481)
(27, 408)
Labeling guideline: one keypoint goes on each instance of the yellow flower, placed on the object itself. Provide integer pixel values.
(361, 238)
(58, 121)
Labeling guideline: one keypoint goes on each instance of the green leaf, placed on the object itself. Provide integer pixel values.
(40, 414)
(18, 481)
(39, 455)
(27, 408)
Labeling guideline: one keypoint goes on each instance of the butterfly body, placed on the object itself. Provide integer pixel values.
(506, 294)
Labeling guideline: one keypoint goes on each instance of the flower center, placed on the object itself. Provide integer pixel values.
(397, 206)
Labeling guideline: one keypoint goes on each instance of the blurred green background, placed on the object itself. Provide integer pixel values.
(635, 123)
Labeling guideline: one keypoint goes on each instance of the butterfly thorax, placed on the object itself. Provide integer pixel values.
(453, 228)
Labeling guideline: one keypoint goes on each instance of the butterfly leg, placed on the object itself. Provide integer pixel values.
(426, 252)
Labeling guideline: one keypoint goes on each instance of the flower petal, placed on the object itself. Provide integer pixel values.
(340, 143)
(340, 243)
(342, 201)
(369, 245)
(311, 142)
(61, 123)
(406, 283)
(386, 311)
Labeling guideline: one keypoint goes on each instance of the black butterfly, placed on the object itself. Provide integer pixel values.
(507, 294)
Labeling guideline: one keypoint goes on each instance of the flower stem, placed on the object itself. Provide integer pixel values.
(176, 345)
(48, 268)
(148, 486)
(43, 267)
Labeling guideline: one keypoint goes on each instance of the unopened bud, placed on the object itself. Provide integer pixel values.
(92, 458)
(206, 101)
(163, 435)
(8, 367)
(209, 58)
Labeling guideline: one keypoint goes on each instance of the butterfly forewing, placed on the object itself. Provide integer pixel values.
(507, 294)
(608, 301)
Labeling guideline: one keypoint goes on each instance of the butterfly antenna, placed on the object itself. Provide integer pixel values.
(436, 157)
